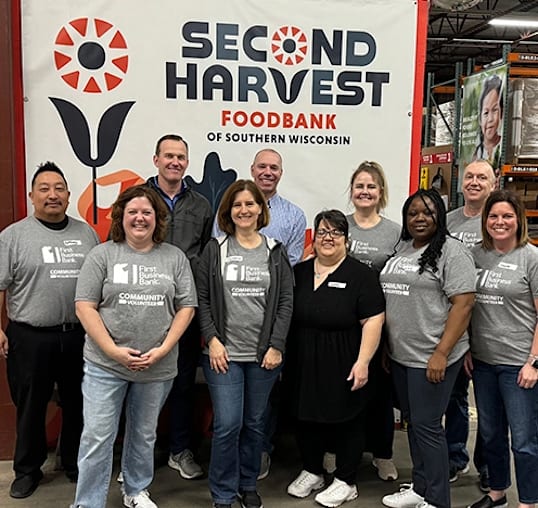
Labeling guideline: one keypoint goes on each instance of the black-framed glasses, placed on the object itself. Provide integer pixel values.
(333, 233)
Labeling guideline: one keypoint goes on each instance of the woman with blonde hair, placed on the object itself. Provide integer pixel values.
(372, 238)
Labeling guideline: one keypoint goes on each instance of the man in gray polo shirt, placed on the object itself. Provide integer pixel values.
(41, 259)
(465, 223)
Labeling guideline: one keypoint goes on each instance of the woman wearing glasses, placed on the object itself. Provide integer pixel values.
(336, 326)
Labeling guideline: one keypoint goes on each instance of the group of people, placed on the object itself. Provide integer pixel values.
(380, 315)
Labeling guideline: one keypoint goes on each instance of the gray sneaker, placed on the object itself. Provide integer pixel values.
(185, 464)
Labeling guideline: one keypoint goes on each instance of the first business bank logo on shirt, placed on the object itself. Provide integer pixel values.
(140, 275)
(121, 274)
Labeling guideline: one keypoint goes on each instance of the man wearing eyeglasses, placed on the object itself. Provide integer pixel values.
(465, 224)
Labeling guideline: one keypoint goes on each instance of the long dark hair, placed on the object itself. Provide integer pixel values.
(433, 252)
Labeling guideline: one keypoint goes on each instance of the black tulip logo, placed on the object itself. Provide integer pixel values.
(78, 133)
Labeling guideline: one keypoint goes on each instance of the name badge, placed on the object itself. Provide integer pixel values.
(507, 266)
(338, 285)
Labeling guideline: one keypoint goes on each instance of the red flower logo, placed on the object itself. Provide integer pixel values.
(289, 45)
(91, 55)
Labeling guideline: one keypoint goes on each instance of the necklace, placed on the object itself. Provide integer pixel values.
(319, 273)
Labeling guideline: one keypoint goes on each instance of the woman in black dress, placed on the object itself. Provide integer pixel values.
(336, 326)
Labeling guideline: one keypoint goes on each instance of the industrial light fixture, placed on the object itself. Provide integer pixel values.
(515, 21)
(455, 5)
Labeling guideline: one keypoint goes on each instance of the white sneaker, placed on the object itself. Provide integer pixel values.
(141, 500)
(405, 498)
(329, 462)
(186, 465)
(386, 470)
(337, 493)
(305, 483)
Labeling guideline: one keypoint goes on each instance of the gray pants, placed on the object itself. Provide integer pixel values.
(423, 405)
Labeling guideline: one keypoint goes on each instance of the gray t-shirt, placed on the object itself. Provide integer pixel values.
(373, 246)
(504, 315)
(138, 294)
(418, 304)
(246, 282)
(39, 267)
(466, 229)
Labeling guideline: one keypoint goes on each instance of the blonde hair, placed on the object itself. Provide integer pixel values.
(375, 170)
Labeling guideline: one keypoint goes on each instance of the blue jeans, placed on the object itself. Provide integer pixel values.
(239, 399)
(502, 404)
(423, 405)
(104, 395)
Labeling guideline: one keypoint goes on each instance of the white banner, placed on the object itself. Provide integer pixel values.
(327, 84)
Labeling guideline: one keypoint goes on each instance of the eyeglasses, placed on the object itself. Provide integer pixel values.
(333, 233)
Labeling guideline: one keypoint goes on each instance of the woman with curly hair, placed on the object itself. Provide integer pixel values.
(429, 287)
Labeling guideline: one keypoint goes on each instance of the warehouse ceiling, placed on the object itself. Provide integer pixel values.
(465, 35)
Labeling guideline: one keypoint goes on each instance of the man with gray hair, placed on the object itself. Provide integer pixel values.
(465, 223)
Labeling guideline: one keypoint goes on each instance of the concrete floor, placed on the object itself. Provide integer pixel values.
(170, 491)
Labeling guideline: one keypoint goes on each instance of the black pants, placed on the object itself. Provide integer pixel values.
(181, 398)
(345, 438)
(38, 359)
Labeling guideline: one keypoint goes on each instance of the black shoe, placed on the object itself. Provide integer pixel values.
(24, 486)
(455, 472)
(72, 475)
(487, 502)
(250, 499)
(483, 482)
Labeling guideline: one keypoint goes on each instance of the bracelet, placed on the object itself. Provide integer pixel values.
(534, 357)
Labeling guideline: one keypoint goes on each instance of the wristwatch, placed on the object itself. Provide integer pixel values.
(534, 361)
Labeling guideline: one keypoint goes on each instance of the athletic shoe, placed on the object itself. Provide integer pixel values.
(250, 499)
(386, 470)
(141, 500)
(405, 498)
(456, 472)
(265, 465)
(337, 493)
(425, 504)
(487, 502)
(305, 484)
(483, 481)
(185, 464)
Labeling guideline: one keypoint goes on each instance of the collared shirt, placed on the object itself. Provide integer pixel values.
(287, 225)
(166, 198)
